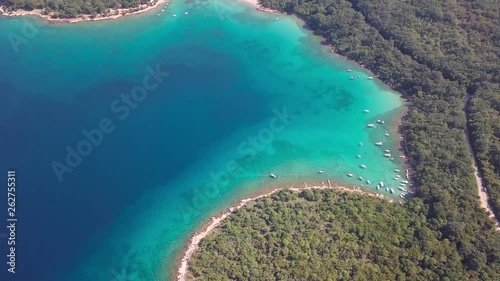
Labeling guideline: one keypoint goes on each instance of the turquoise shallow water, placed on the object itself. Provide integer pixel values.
(247, 95)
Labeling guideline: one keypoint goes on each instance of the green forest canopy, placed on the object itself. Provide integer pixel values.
(332, 235)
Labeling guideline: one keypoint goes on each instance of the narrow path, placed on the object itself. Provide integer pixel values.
(481, 188)
(483, 196)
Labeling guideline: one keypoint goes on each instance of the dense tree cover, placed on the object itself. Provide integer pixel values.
(71, 8)
(332, 235)
(444, 56)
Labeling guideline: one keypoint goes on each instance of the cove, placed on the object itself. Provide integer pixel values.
(246, 95)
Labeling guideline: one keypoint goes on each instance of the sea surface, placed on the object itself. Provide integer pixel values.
(127, 135)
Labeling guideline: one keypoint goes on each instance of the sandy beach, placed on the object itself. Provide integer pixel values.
(182, 263)
(113, 14)
(259, 7)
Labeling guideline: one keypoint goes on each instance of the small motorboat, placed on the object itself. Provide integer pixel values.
(272, 176)
(378, 143)
(368, 182)
(380, 121)
(321, 172)
(396, 170)
(358, 156)
(366, 110)
(387, 155)
(381, 184)
(371, 125)
(349, 175)
(362, 166)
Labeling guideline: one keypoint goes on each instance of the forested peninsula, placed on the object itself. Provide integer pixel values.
(326, 234)
(70, 9)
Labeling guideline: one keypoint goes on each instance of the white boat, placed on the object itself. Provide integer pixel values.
(358, 156)
(272, 176)
(360, 144)
(321, 172)
(349, 70)
(362, 166)
(402, 188)
(174, 15)
(185, 13)
(391, 190)
(387, 151)
(404, 181)
(368, 182)
(366, 110)
(370, 77)
(402, 195)
(349, 175)
(396, 170)
(378, 143)
(398, 176)
(386, 134)
(387, 155)
(378, 187)
(380, 121)
(381, 184)
(352, 78)
(360, 178)
(371, 125)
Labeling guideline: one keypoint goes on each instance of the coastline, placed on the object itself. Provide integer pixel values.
(182, 262)
(114, 14)
(256, 4)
